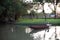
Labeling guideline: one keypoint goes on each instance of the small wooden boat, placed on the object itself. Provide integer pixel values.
(39, 27)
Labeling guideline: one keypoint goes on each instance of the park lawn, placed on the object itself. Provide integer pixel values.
(31, 20)
(54, 21)
(35, 21)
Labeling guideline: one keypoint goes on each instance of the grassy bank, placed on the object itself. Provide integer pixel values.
(35, 21)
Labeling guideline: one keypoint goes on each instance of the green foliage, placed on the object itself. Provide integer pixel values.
(45, 0)
(20, 9)
(38, 1)
(5, 4)
(12, 8)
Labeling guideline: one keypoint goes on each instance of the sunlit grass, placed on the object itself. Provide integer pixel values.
(31, 20)
(53, 21)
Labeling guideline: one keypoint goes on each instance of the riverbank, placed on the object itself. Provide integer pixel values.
(38, 21)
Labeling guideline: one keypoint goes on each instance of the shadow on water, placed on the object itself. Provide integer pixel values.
(13, 32)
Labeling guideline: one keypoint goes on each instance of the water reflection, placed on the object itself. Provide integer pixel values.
(13, 32)
(17, 32)
(28, 30)
(53, 34)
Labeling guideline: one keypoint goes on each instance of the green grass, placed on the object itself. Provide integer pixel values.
(31, 20)
(53, 21)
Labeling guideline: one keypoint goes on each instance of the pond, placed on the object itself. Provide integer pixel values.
(13, 32)
(17, 32)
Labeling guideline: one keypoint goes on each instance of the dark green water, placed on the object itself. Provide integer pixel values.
(17, 34)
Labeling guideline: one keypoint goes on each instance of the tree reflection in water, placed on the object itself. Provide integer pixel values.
(45, 35)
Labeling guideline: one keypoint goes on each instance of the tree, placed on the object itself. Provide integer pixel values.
(32, 14)
(21, 9)
(11, 9)
(4, 6)
(38, 1)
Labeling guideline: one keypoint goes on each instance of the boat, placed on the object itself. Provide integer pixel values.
(39, 27)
